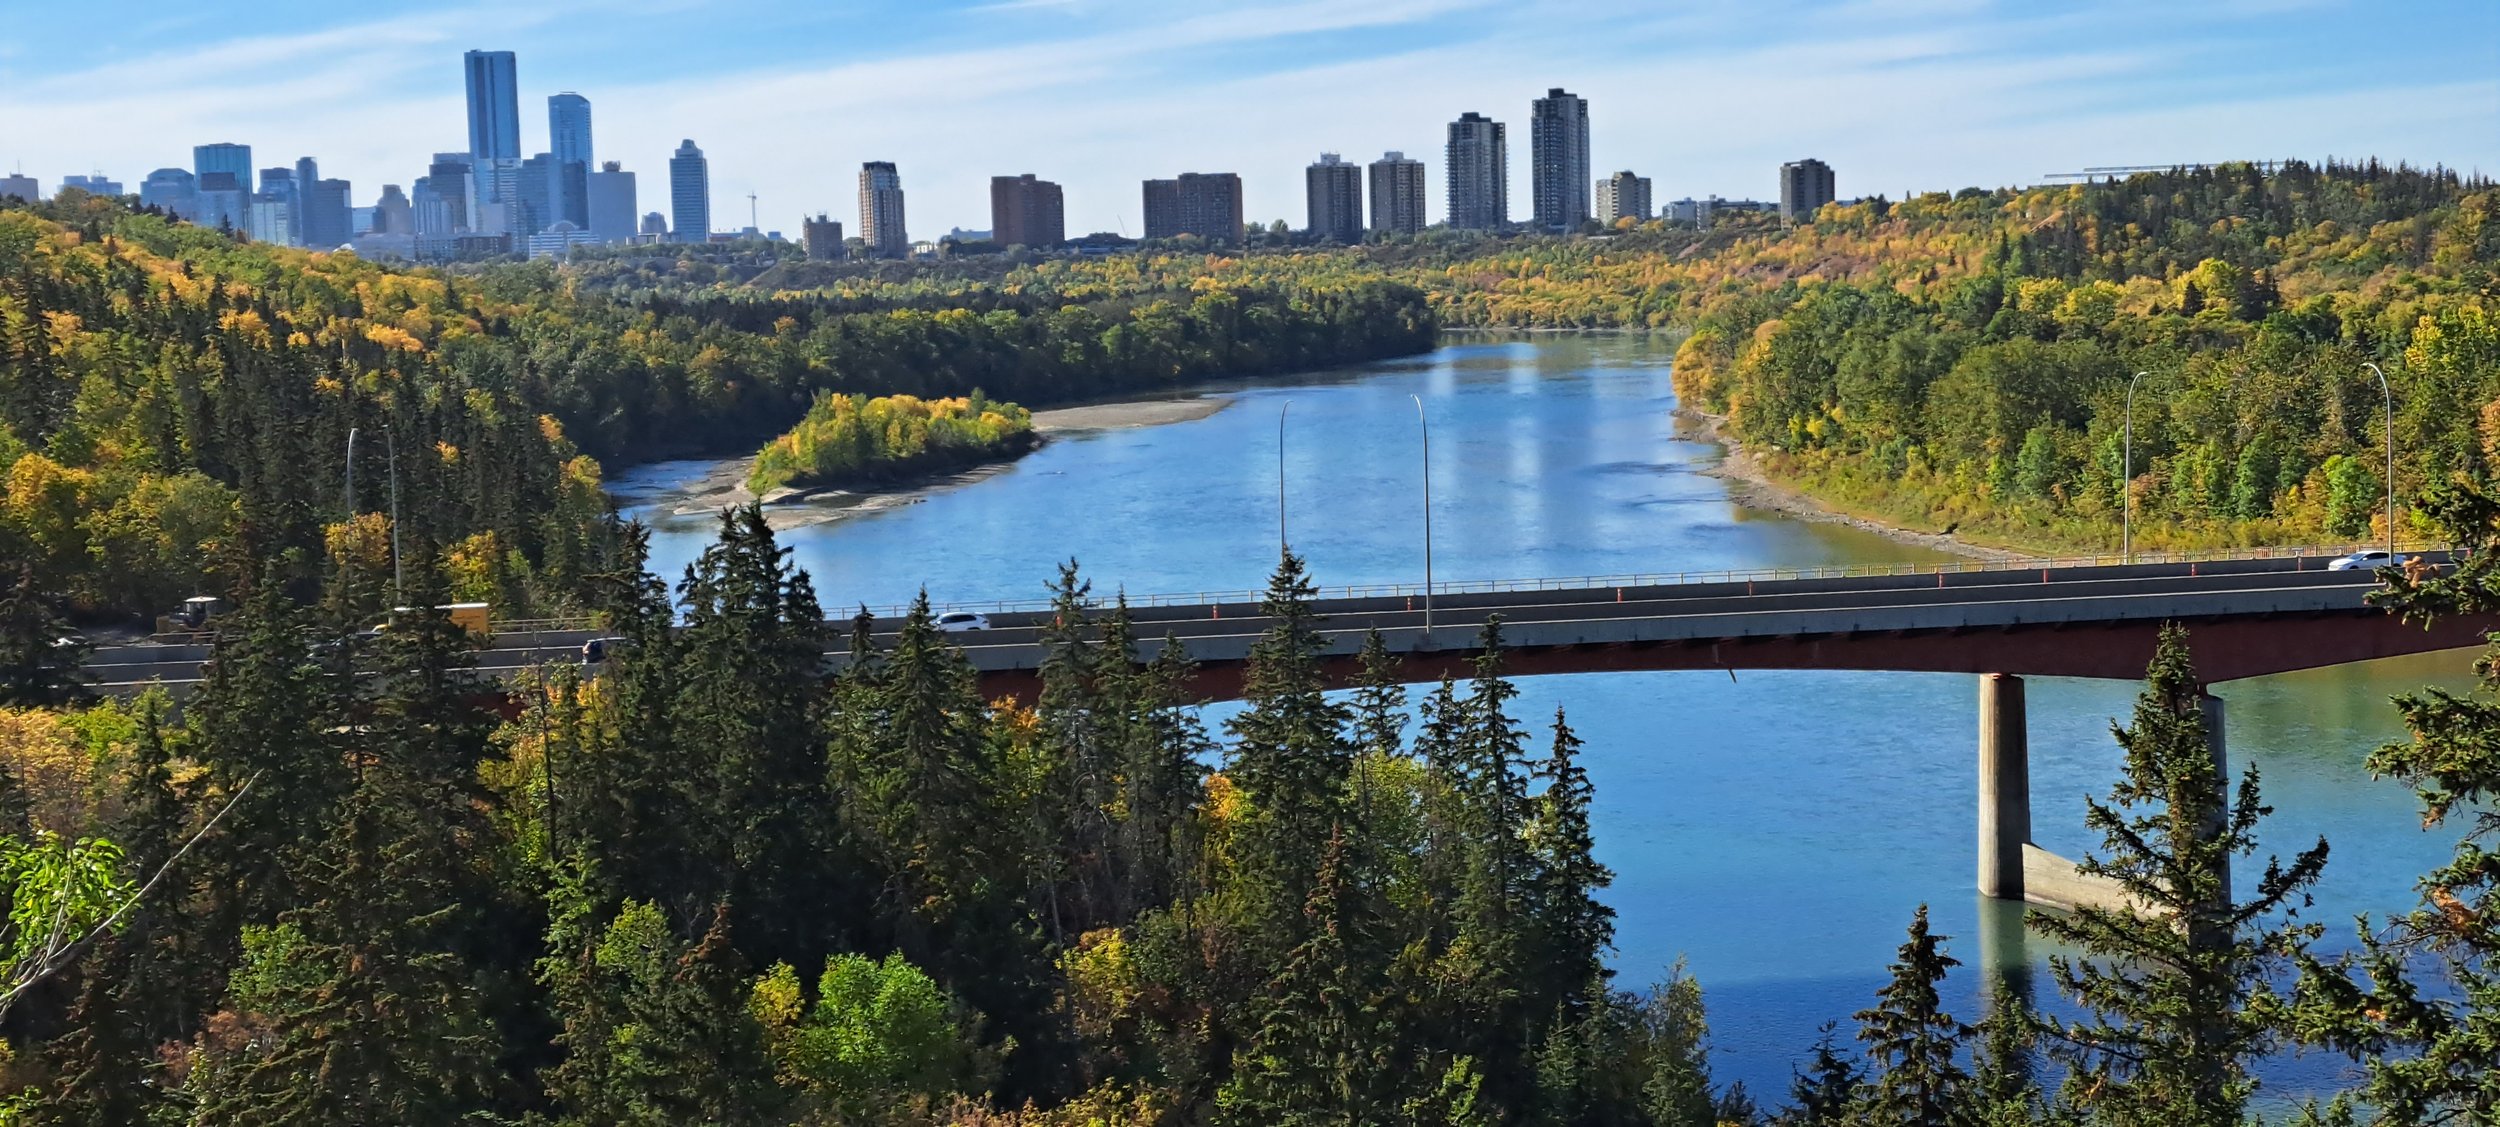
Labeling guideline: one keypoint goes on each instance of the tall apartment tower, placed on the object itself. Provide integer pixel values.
(1397, 194)
(1559, 160)
(1027, 212)
(1479, 176)
(1804, 186)
(610, 193)
(1205, 204)
(1622, 196)
(690, 194)
(823, 237)
(1335, 189)
(494, 105)
(881, 210)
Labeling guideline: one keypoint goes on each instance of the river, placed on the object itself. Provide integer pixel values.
(1773, 830)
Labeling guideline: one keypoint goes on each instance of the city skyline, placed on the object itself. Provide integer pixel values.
(1717, 98)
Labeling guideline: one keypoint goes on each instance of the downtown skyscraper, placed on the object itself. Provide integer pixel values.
(1479, 176)
(568, 148)
(494, 106)
(690, 194)
(1558, 136)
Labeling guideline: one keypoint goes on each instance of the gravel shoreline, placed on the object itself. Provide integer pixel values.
(1748, 484)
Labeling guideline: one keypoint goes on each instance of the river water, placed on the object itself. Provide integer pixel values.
(1772, 830)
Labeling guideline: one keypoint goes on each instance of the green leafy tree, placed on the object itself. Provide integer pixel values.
(879, 1037)
(2179, 983)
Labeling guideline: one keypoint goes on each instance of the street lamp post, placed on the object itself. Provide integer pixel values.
(1426, 425)
(399, 574)
(2390, 395)
(2126, 480)
(351, 474)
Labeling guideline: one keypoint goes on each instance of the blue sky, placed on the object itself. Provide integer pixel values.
(789, 96)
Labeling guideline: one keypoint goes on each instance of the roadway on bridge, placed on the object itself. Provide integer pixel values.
(1595, 614)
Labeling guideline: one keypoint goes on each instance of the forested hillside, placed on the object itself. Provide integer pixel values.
(175, 407)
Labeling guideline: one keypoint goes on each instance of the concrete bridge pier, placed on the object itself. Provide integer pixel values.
(2010, 866)
(2004, 786)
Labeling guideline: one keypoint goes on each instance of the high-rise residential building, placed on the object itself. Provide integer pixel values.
(1804, 186)
(1335, 199)
(611, 203)
(1397, 194)
(326, 207)
(494, 105)
(1205, 204)
(1027, 212)
(22, 186)
(225, 156)
(1622, 196)
(1558, 134)
(1479, 176)
(823, 236)
(393, 214)
(96, 185)
(690, 193)
(225, 201)
(173, 191)
(881, 210)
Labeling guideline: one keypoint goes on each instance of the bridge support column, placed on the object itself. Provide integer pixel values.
(2004, 786)
(2215, 743)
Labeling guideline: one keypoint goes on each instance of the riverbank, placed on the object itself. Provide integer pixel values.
(722, 484)
(1751, 485)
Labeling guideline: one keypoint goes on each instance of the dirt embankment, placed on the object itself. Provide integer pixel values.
(1748, 484)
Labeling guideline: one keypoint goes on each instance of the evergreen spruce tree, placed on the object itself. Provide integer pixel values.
(2178, 984)
(1576, 927)
(750, 740)
(39, 656)
(103, 1067)
(1081, 709)
(1827, 1092)
(2003, 1091)
(2429, 1049)
(1314, 1057)
(1290, 757)
(1912, 1043)
(1380, 701)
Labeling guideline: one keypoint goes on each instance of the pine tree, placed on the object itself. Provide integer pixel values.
(1314, 1056)
(1913, 1043)
(1290, 757)
(1081, 708)
(2429, 1051)
(656, 1030)
(1380, 701)
(39, 656)
(1828, 1090)
(1576, 927)
(2003, 1093)
(1675, 1056)
(2178, 988)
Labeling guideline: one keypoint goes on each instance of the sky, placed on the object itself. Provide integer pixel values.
(787, 97)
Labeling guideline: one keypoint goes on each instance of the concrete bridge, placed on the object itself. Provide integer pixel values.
(2247, 617)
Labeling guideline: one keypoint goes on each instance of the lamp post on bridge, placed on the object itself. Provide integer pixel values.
(2126, 480)
(1426, 425)
(2391, 458)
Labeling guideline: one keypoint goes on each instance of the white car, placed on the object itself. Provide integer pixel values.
(2370, 559)
(959, 621)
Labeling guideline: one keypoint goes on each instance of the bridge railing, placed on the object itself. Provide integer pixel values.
(1679, 578)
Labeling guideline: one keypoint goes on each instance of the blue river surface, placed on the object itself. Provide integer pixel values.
(1774, 831)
